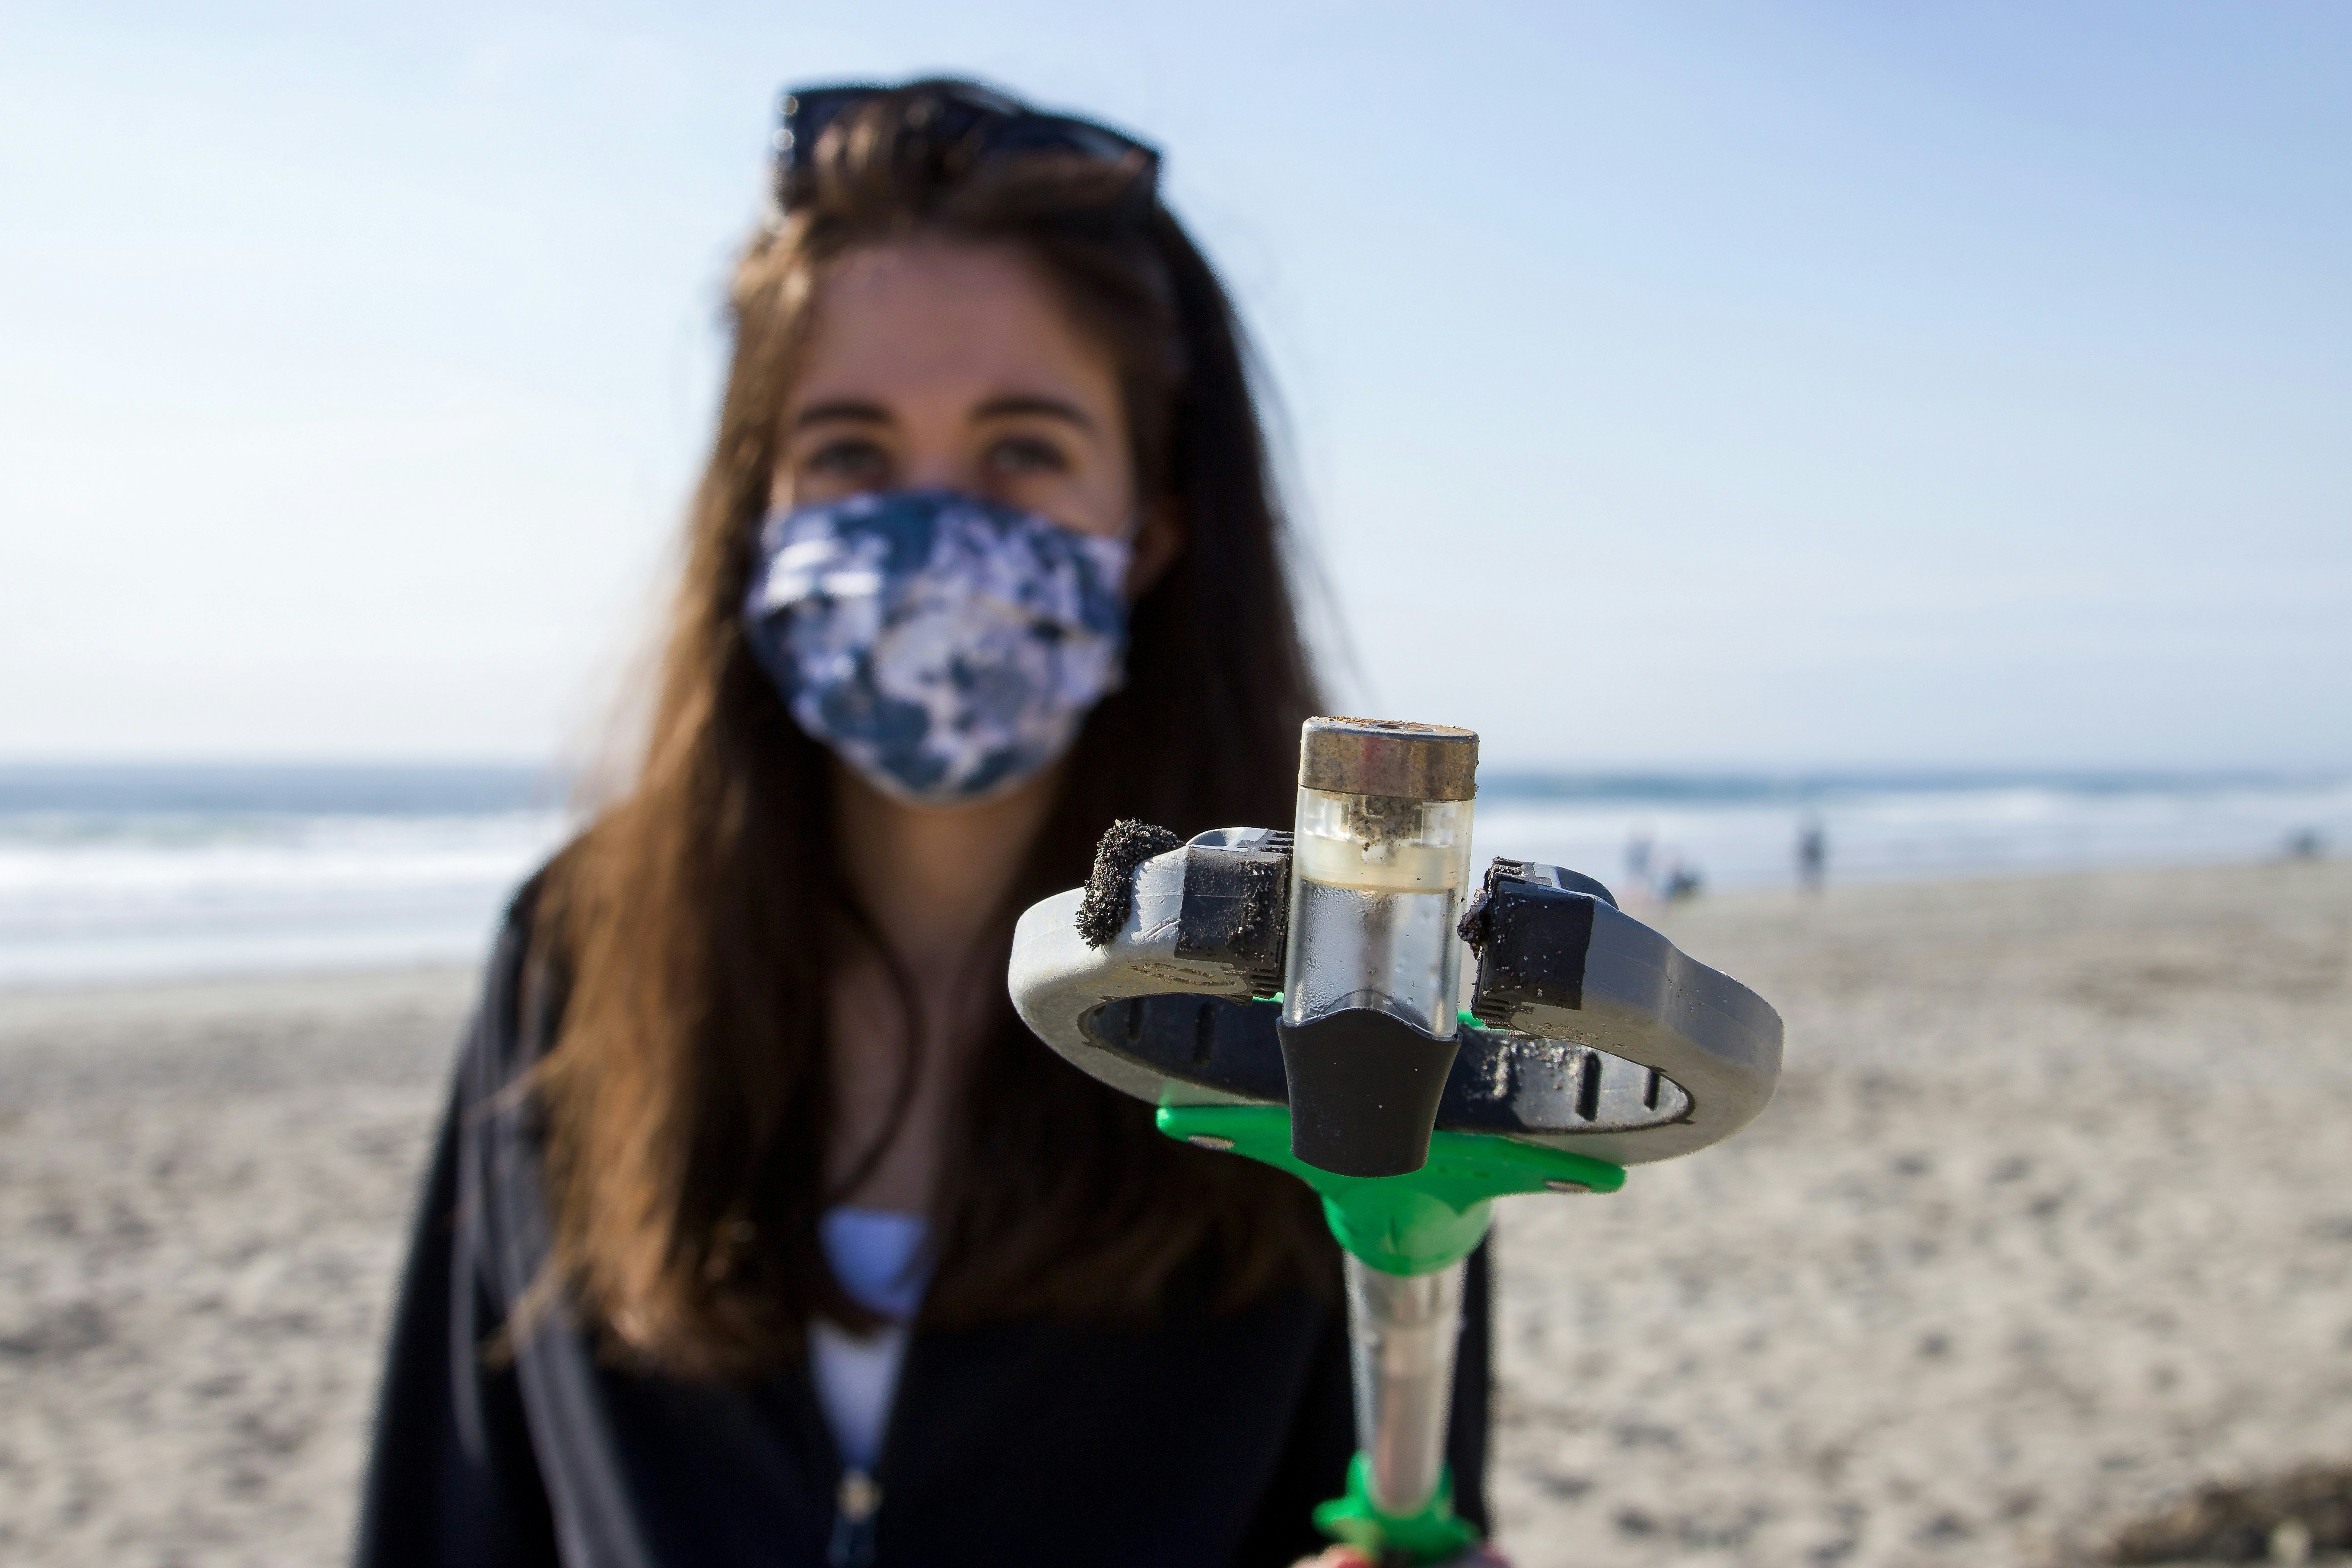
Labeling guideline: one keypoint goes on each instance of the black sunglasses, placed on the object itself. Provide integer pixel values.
(979, 123)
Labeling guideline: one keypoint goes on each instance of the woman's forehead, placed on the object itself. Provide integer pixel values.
(932, 320)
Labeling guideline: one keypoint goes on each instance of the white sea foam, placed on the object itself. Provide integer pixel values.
(92, 896)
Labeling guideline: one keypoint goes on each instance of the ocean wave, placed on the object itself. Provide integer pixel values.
(93, 895)
(135, 874)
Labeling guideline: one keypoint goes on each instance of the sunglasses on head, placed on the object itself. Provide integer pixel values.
(980, 124)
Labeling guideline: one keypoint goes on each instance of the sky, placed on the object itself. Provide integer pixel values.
(1786, 386)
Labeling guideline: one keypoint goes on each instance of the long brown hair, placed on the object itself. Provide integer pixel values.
(687, 1093)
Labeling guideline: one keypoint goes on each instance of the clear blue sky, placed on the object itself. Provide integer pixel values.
(1685, 384)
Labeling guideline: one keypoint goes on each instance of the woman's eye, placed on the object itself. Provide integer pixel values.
(861, 461)
(1026, 455)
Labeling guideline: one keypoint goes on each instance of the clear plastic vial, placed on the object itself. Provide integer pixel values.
(1379, 871)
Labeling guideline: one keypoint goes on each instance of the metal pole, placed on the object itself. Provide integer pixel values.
(1402, 1332)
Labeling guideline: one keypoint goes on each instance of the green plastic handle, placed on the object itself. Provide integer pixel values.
(1435, 1535)
(1415, 1224)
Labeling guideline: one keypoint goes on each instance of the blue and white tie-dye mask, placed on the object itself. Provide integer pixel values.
(945, 647)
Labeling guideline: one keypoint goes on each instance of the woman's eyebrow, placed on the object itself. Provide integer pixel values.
(1035, 404)
(841, 408)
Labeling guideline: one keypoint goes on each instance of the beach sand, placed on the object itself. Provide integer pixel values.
(2050, 1221)
(205, 1194)
(2050, 1218)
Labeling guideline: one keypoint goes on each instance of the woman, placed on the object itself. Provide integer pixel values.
(759, 1230)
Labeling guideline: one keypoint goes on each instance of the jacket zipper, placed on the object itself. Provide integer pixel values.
(859, 1499)
(854, 1503)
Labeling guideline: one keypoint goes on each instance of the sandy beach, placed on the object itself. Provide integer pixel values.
(2050, 1221)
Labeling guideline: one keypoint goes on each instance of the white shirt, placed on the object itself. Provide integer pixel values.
(878, 1256)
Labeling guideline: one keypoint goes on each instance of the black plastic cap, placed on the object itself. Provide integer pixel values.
(1364, 1088)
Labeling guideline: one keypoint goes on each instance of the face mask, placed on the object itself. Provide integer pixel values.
(944, 647)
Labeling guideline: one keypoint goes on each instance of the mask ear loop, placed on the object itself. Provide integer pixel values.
(1144, 515)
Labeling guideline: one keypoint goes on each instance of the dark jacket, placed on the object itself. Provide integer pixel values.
(1203, 1440)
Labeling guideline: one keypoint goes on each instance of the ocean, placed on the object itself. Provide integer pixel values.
(136, 873)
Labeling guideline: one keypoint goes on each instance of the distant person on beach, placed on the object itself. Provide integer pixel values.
(759, 1230)
(1639, 845)
(1812, 855)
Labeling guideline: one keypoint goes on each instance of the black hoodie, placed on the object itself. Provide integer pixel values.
(1203, 1440)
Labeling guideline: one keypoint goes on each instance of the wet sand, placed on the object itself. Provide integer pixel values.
(2052, 1220)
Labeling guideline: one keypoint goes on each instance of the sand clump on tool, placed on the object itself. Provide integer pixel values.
(2049, 1229)
(1110, 891)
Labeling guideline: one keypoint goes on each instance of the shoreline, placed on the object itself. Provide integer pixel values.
(19, 981)
(2050, 1221)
